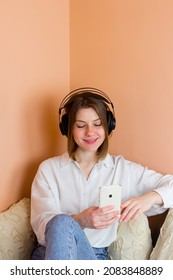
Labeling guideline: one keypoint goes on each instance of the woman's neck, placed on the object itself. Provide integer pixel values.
(83, 157)
(86, 161)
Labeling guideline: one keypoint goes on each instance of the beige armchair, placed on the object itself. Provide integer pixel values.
(141, 239)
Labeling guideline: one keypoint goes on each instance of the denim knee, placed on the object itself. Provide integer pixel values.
(65, 239)
(59, 221)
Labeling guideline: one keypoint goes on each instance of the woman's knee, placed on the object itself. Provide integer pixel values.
(60, 221)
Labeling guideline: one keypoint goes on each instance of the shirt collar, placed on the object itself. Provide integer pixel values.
(107, 161)
(65, 159)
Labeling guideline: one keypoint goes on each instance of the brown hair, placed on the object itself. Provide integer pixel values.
(80, 101)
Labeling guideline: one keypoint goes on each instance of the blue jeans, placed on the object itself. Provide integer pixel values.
(65, 240)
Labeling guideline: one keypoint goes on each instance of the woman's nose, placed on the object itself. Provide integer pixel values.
(89, 129)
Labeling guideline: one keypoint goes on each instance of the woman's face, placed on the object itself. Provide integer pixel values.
(88, 131)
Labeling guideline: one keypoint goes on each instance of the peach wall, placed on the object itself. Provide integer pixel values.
(125, 48)
(34, 75)
(122, 47)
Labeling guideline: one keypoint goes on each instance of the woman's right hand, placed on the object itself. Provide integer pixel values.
(96, 217)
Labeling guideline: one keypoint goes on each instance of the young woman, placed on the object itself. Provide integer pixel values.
(65, 212)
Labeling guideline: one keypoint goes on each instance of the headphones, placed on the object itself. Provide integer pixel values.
(69, 99)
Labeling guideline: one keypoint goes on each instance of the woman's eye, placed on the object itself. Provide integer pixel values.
(85, 125)
(98, 124)
(80, 126)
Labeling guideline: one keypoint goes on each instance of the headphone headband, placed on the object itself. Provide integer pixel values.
(63, 122)
(79, 91)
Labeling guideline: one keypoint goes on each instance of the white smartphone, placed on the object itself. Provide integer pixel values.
(110, 195)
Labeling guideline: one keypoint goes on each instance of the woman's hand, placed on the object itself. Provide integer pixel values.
(96, 217)
(133, 207)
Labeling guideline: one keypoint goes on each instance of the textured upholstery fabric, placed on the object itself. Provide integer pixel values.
(133, 241)
(17, 239)
(163, 249)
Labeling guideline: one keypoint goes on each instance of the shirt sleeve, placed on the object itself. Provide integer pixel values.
(43, 204)
(163, 185)
(146, 180)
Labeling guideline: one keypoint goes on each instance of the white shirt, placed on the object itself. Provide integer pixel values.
(60, 186)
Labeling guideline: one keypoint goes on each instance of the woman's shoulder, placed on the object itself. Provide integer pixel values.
(55, 161)
(121, 160)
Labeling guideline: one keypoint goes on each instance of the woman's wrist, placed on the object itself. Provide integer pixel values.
(157, 199)
(76, 217)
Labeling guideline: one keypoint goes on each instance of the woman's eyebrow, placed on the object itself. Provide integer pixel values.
(79, 121)
(85, 121)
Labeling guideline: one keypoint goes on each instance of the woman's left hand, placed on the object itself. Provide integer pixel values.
(133, 207)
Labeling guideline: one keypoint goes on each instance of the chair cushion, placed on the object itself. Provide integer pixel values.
(133, 240)
(17, 239)
(163, 249)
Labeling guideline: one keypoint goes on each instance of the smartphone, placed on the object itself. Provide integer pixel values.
(110, 195)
